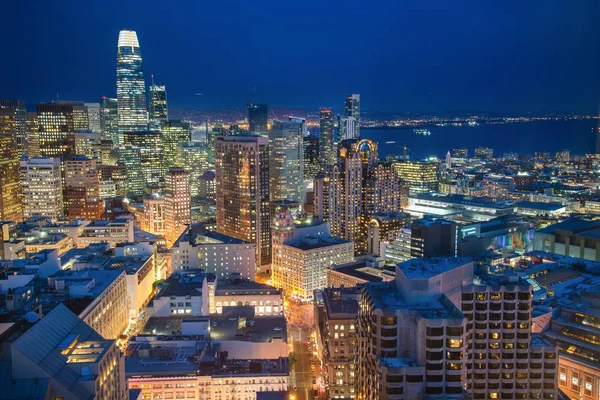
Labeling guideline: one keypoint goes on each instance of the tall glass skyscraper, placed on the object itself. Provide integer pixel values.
(109, 121)
(131, 90)
(159, 112)
(258, 118)
(352, 107)
(326, 145)
(286, 160)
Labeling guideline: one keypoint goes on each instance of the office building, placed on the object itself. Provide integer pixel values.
(215, 253)
(424, 238)
(575, 237)
(348, 128)
(358, 187)
(311, 157)
(576, 332)
(421, 176)
(258, 118)
(32, 132)
(460, 153)
(194, 157)
(41, 184)
(383, 228)
(434, 332)
(151, 151)
(177, 209)
(89, 144)
(327, 150)
(336, 310)
(94, 117)
(352, 109)
(158, 110)
(153, 220)
(173, 134)
(131, 89)
(286, 160)
(115, 232)
(181, 296)
(61, 357)
(135, 178)
(80, 114)
(19, 123)
(83, 189)
(239, 295)
(484, 153)
(302, 253)
(109, 121)
(11, 208)
(563, 156)
(242, 191)
(56, 130)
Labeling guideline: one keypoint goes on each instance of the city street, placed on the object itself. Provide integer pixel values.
(300, 321)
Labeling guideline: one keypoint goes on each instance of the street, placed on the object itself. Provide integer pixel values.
(300, 321)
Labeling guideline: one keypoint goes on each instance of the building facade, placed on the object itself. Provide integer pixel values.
(41, 184)
(131, 89)
(11, 208)
(286, 160)
(83, 189)
(177, 208)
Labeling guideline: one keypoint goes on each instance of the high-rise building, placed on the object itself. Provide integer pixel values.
(484, 153)
(177, 207)
(134, 180)
(81, 120)
(151, 154)
(422, 176)
(131, 89)
(302, 253)
(109, 121)
(41, 184)
(383, 228)
(358, 187)
(242, 193)
(93, 115)
(258, 118)
(327, 153)
(194, 156)
(425, 238)
(158, 109)
(348, 128)
(438, 330)
(20, 117)
(311, 157)
(322, 192)
(83, 189)
(33, 136)
(460, 153)
(173, 133)
(286, 160)
(352, 108)
(10, 186)
(89, 144)
(154, 216)
(56, 130)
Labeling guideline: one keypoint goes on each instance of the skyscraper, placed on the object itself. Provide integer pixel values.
(194, 156)
(131, 90)
(311, 157)
(173, 133)
(10, 187)
(20, 117)
(352, 108)
(134, 181)
(109, 121)
(83, 189)
(422, 176)
(348, 128)
(93, 114)
(42, 187)
(177, 208)
(242, 177)
(151, 151)
(286, 160)
(80, 114)
(33, 136)
(158, 110)
(258, 117)
(56, 130)
(326, 143)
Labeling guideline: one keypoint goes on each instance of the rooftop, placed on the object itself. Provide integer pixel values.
(539, 205)
(420, 268)
(575, 225)
(316, 242)
(461, 199)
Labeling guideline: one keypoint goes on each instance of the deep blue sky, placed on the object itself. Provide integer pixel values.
(522, 55)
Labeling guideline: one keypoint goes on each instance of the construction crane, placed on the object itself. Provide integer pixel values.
(402, 146)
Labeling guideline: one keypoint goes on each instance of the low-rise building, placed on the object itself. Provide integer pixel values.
(239, 294)
(119, 230)
(183, 296)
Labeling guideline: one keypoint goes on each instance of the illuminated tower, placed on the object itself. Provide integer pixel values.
(20, 124)
(177, 209)
(158, 109)
(10, 187)
(352, 107)
(258, 117)
(173, 134)
(83, 189)
(56, 130)
(151, 154)
(286, 160)
(131, 90)
(109, 121)
(326, 144)
(42, 187)
(242, 193)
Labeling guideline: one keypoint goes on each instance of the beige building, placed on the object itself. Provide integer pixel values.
(177, 208)
(41, 184)
(302, 253)
(154, 216)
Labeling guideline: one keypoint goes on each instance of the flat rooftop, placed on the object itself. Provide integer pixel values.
(465, 200)
(258, 329)
(245, 287)
(423, 268)
(534, 205)
(316, 242)
(574, 225)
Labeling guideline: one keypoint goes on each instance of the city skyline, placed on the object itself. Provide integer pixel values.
(413, 58)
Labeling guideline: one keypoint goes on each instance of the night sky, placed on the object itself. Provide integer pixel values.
(439, 56)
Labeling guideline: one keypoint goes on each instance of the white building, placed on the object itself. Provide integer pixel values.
(42, 187)
(120, 230)
(349, 128)
(239, 294)
(215, 253)
(302, 253)
(182, 296)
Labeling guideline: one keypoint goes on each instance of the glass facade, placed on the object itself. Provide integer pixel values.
(327, 154)
(109, 121)
(10, 187)
(286, 160)
(131, 90)
(158, 109)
